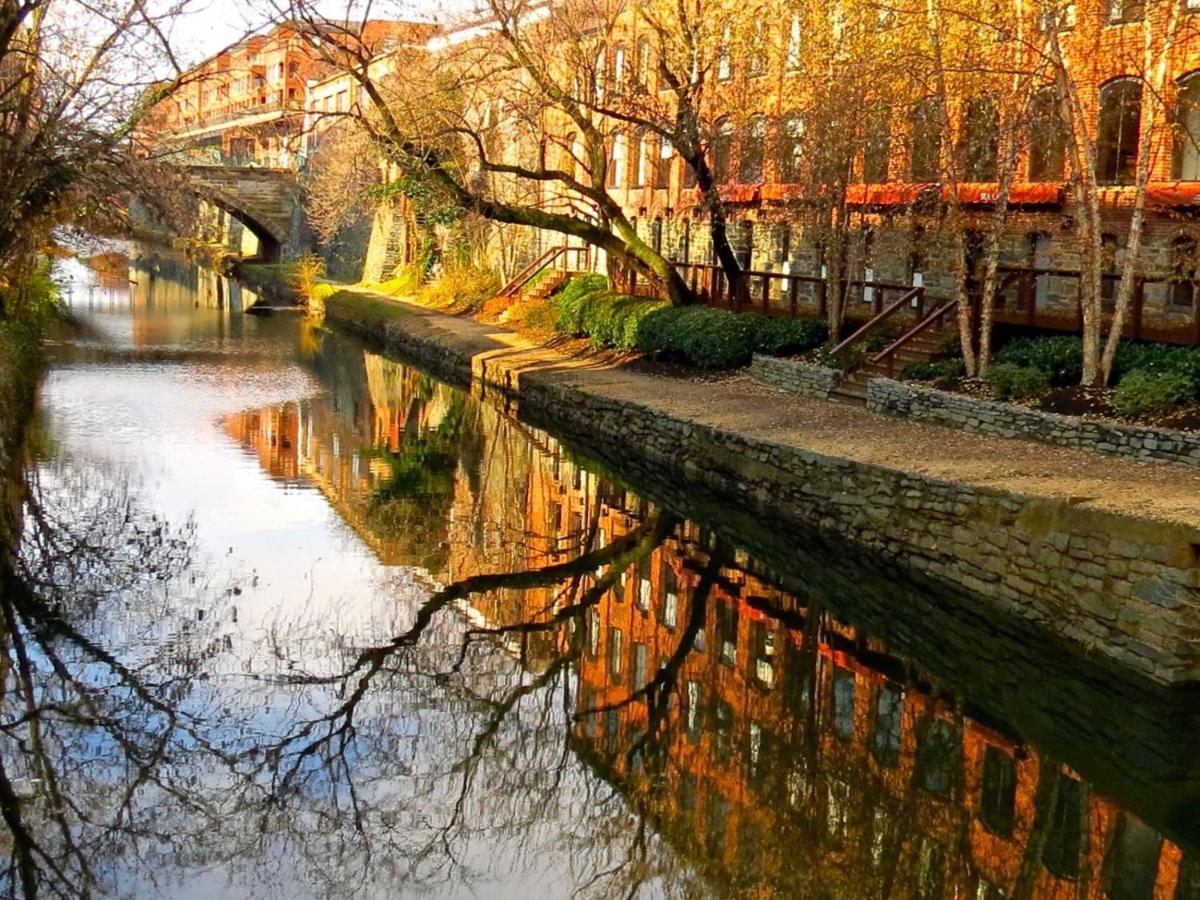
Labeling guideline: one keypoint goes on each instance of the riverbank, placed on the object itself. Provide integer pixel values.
(1102, 551)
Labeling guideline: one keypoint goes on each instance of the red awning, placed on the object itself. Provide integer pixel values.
(773, 192)
(887, 194)
(1019, 194)
(1185, 194)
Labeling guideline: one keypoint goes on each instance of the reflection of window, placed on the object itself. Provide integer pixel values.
(981, 136)
(1185, 164)
(722, 147)
(885, 736)
(930, 871)
(753, 149)
(693, 711)
(1117, 135)
(639, 665)
(764, 654)
(939, 758)
(925, 140)
(1047, 140)
(1183, 271)
(789, 145)
(615, 654)
(1133, 859)
(794, 46)
(727, 630)
(593, 631)
(838, 811)
(723, 730)
(670, 614)
(1064, 834)
(998, 794)
(843, 702)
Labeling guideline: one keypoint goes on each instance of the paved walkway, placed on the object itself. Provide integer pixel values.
(737, 403)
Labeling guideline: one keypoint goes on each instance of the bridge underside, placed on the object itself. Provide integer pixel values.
(265, 201)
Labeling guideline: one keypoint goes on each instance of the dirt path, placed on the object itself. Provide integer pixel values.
(737, 403)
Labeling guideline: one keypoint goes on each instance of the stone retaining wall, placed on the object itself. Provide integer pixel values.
(795, 377)
(1123, 587)
(1007, 420)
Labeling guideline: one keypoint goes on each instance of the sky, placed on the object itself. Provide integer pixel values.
(212, 25)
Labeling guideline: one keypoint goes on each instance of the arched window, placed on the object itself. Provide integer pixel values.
(722, 146)
(1185, 164)
(1047, 139)
(662, 165)
(1117, 134)
(925, 140)
(753, 150)
(981, 138)
(877, 150)
(789, 145)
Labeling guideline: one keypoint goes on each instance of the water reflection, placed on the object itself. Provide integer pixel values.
(511, 674)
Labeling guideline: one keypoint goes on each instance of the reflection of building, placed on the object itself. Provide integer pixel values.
(799, 757)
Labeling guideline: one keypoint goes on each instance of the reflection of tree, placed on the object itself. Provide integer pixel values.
(96, 744)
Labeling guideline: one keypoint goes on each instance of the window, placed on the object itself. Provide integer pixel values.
(618, 75)
(656, 239)
(795, 44)
(878, 148)
(722, 145)
(925, 140)
(1047, 139)
(998, 794)
(619, 162)
(753, 149)
(1117, 135)
(642, 63)
(1120, 11)
(789, 146)
(641, 157)
(599, 75)
(724, 60)
(1183, 271)
(1057, 16)
(981, 137)
(757, 63)
(1185, 162)
(662, 166)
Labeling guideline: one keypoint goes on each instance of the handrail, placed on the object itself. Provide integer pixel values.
(523, 277)
(873, 323)
(889, 352)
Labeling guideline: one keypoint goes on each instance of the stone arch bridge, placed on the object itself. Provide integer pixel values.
(265, 201)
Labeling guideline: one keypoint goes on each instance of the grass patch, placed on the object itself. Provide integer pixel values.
(358, 308)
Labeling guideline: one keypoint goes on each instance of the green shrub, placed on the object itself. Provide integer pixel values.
(571, 301)
(1157, 359)
(1059, 357)
(1015, 382)
(933, 371)
(949, 345)
(780, 337)
(705, 337)
(1148, 391)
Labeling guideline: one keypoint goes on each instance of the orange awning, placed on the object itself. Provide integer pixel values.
(887, 194)
(773, 192)
(1019, 194)
(739, 193)
(1184, 194)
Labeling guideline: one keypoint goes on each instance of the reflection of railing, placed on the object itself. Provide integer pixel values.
(559, 258)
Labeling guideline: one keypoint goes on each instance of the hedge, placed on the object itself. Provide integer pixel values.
(703, 336)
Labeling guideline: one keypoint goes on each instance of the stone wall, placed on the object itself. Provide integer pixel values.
(1006, 420)
(795, 377)
(1121, 587)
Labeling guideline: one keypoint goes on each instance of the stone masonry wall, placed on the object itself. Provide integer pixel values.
(795, 377)
(1006, 420)
(1125, 588)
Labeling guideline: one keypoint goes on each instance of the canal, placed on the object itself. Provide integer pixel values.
(300, 620)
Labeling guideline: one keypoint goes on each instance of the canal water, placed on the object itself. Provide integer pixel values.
(303, 621)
